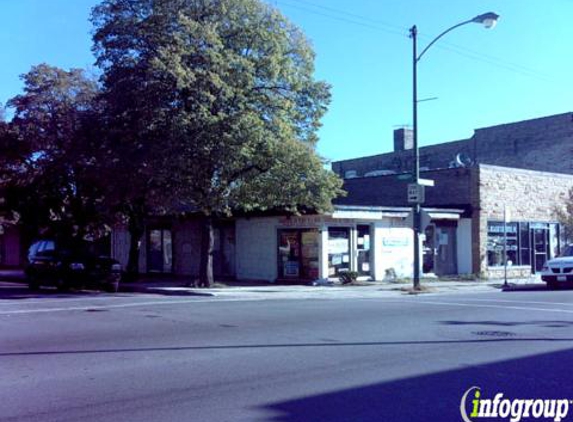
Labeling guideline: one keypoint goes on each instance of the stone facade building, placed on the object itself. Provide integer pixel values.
(522, 169)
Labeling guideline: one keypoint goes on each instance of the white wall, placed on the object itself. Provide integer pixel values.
(257, 248)
(393, 249)
(464, 246)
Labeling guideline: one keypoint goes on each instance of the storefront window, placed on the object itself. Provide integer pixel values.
(524, 244)
(289, 254)
(338, 250)
(309, 254)
(528, 243)
(298, 254)
(495, 244)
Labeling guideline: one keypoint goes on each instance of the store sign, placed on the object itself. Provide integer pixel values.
(312, 221)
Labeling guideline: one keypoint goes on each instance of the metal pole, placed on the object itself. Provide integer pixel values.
(488, 19)
(416, 169)
(505, 247)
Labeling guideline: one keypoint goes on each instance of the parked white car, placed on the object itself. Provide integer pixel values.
(559, 270)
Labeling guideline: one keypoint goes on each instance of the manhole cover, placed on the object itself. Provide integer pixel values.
(494, 333)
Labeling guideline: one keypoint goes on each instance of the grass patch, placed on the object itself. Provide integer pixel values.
(421, 290)
(360, 283)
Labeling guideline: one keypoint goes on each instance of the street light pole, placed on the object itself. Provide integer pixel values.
(416, 171)
(488, 20)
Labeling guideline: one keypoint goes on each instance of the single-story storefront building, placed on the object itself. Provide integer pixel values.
(375, 242)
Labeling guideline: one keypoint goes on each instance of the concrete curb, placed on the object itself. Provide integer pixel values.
(165, 291)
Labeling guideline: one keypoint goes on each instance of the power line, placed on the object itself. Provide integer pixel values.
(341, 18)
(394, 28)
(379, 25)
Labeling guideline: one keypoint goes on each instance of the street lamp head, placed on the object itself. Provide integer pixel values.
(488, 19)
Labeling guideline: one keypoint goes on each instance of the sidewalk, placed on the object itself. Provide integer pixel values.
(12, 275)
(232, 289)
(173, 286)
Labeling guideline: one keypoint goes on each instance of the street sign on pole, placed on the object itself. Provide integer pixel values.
(426, 182)
(416, 193)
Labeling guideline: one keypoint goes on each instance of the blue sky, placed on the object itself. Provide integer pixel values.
(522, 69)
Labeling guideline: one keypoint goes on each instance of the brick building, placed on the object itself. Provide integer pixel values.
(525, 168)
(543, 144)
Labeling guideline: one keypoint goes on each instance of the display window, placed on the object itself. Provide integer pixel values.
(528, 243)
(338, 250)
(497, 233)
(298, 254)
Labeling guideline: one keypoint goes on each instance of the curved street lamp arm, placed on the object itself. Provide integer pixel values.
(441, 35)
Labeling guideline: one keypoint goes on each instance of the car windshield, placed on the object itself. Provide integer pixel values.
(568, 251)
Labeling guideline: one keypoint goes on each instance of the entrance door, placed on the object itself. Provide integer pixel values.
(159, 251)
(540, 248)
(338, 250)
(445, 260)
(429, 249)
(363, 249)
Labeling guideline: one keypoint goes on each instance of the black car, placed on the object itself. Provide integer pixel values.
(67, 265)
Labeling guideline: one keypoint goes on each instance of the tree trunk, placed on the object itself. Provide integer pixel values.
(136, 230)
(207, 242)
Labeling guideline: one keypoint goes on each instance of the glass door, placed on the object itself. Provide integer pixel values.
(363, 243)
(540, 241)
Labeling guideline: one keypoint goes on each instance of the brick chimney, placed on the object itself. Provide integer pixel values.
(403, 139)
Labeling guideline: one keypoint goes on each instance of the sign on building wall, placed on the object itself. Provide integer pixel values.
(396, 254)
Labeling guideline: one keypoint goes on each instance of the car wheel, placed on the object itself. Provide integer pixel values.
(112, 287)
(33, 283)
(63, 285)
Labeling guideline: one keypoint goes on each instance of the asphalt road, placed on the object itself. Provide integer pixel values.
(127, 357)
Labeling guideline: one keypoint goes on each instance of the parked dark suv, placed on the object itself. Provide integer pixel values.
(65, 266)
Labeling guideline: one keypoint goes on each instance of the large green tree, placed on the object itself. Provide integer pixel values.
(220, 100)
(564, 215)
(50, 154)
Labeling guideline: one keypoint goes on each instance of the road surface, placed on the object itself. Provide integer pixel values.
(129, 357)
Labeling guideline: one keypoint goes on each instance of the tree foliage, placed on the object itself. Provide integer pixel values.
(217, 105)
(564, 215)
(50, 151)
